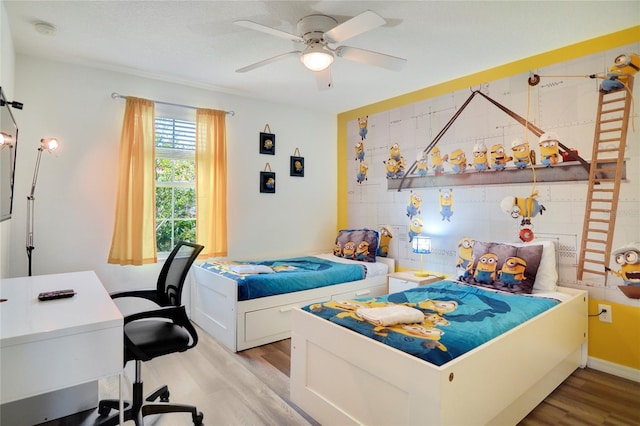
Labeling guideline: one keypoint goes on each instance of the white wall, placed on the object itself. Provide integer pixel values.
(75, 194)
(7, 65)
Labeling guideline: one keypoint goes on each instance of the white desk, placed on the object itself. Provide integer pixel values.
(52, 345)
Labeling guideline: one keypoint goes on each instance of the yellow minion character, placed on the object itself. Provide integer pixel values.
(363, 168)
(499, 159)
(413, 207)
(391, 167)
(359, 149)
(362, 127)
(349, 250)
(383, 242)
(458, 161)
(362, 251)
(337, 249)
(480, 160)
(421, 164)
(521, 153)
(486, 268)
(512, 272)
(623, 67)
(465, 251)
(524, 207)
(394, 152)
(415, 227)
(549, 150)
(628, 257)
(446, 204)
(440, 306)
(437, 161)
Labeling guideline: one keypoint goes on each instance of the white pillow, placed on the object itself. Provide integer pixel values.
(251, 269)
(547, 275)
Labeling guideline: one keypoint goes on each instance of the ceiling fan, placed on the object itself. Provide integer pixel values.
(317, 33)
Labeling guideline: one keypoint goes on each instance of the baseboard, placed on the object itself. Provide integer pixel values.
(614, 369)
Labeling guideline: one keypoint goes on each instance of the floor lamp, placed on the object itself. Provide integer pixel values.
(50, 145)
(421, 245)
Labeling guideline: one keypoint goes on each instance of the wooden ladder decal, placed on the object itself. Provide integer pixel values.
(602, 194)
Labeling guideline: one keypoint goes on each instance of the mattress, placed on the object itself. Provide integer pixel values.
(292, 274)
(457, 318)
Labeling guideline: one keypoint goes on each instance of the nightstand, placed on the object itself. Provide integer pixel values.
(400, 281)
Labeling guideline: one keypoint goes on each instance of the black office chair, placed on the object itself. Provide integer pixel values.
(154, 333)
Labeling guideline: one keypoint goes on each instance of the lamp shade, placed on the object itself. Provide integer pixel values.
(316, 58)
(421, 244)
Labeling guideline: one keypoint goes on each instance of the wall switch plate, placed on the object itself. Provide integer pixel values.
(605, 316)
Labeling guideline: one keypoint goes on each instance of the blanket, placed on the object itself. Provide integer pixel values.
(457, 318)
(293, 274)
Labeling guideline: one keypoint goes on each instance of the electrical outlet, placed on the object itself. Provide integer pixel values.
(605, 316)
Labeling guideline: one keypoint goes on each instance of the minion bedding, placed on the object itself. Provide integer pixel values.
(453, 317)
(272, 277)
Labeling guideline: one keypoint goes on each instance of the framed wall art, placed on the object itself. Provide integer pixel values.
(296, 164)
(267, 141)
(267, 180)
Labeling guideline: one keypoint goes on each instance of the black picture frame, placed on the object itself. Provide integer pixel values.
(267, 143)
(296, 166)
(268, 182)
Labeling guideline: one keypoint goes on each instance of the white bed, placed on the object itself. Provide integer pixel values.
(245, 324)
(341, 377)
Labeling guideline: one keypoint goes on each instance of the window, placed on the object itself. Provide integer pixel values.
(175, 182)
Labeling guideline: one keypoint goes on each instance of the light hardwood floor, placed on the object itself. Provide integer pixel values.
(252, 388)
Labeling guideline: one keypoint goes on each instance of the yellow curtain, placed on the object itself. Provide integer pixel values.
(211, 182)
(134, 233)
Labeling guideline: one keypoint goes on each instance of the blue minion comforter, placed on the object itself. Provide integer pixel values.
(457, 318)
(271, 277)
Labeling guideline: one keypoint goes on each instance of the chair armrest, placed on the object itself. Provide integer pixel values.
(150, 294)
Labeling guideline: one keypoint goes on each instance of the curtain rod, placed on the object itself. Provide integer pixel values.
(115, 95)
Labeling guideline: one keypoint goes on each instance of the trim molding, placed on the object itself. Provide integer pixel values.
(615, 369)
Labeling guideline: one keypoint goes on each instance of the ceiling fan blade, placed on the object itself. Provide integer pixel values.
(323, 78)
(268, 30)
(371, 58)
(359, 24)
(267, 61)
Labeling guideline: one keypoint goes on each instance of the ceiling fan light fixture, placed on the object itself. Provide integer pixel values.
(316, 58)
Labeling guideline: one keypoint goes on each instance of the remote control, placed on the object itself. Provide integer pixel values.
(56, 294)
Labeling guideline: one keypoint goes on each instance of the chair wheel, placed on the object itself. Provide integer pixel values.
(164, 397)
(197, 420)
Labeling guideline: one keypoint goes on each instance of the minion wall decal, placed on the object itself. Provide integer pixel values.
(421, 164)
(521, 153)
(413, 207)
(362, 172)
(363, 123)
(628, 259)
(480, 160)
(458, 161)
(549, 149)
(499, 158)
(464, 264)
(446, 204)
(522, 207)
(623, 67)
(395, 164)
(437, 161)
(359, 151)
(383, 242)
(415, 227)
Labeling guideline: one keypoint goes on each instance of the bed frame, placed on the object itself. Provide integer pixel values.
(241, 325)
(341, 377)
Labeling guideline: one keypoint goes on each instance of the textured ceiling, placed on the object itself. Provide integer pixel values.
(196, 42)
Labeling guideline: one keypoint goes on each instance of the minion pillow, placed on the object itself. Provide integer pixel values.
(357, 244)
(504, 267)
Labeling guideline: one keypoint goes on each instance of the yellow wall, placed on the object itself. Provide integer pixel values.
(618, 342)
